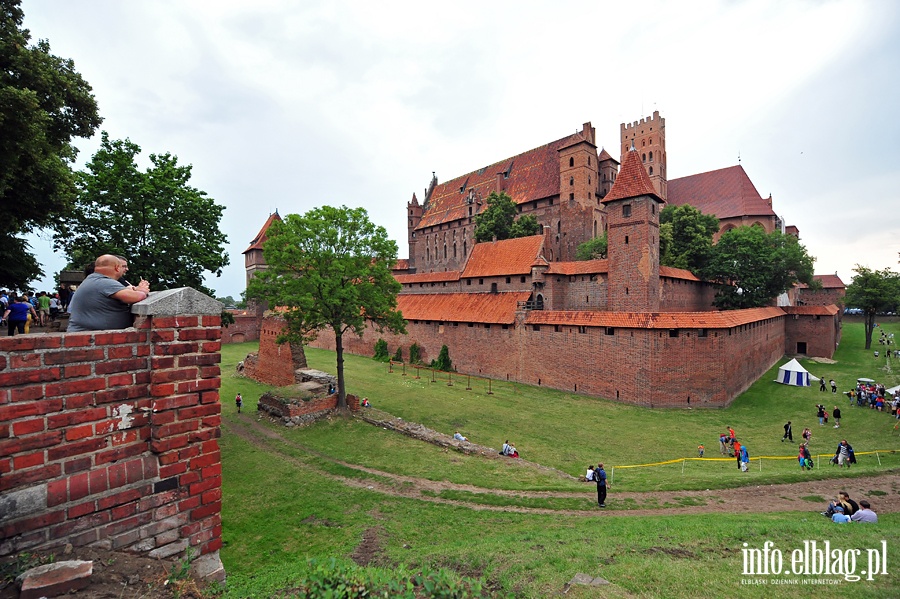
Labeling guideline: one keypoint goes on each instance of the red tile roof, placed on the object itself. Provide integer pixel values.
(260, 239)
(401, 264)
(632, 180)
(428, 277)
(829, 310)
(654, 320)
(604, 155)
(830, 281)
(494, 308)
(585, 267)
(677, 273)
(726, 193)
(507, 257)
(532, 175)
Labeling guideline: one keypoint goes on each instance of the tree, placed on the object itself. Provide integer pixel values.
(44, 103)
(166, 229)
(443, 361)
(498, 219)
(752, 267)
(873, 291)
(330, 269)
(381, 351)
(592, 249)
(691, 242)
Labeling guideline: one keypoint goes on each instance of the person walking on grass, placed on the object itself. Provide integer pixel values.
(239, 402)
(788, 432)
(602, 484)
(837, 417)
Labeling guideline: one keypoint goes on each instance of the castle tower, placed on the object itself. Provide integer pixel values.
(609, 168)
(579, 203)
(632, 215)
(649, 138)
(253, 256)
(413, 215)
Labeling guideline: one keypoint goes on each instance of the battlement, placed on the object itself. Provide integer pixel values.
(655, 119)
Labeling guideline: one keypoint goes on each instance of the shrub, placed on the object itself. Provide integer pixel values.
(443, 360)
(398, 356)
(414, 357)
(381, 351)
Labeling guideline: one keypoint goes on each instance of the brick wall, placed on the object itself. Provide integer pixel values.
(272, 405)
(275, 364)
(245, 327)
(109, 438)
(638, 366)
(819, 333)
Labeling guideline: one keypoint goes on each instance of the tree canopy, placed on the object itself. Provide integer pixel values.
(752, 267)
(592, 249)
(688, 240)
(166, 229)
(873, 291)
(44, 103)
(498, 219)
(330, 269)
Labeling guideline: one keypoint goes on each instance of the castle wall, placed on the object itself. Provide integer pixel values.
(245, 328)
(681, 295)
(820, 334)
(109, 438)
(275, 363)
(822, 297)
(638, 366)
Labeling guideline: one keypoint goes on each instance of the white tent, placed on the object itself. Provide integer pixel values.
(891, 391)
(794, 374)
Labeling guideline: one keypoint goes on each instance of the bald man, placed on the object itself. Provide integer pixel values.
(102, 302)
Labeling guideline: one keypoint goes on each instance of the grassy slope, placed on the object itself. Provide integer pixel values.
(277, 511)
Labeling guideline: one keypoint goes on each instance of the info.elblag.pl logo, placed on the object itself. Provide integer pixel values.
(815, 558)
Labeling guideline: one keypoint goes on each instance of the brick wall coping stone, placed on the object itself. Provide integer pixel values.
(176, 302)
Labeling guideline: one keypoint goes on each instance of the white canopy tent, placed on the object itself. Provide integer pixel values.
(793, 373)
(891, 391)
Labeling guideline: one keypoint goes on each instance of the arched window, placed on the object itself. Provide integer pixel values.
(595, 228)
(454, 250)
(643, 158)
(465, 248)
(559, 226)
(571, 162)
(539, 302)
(427, 254)
(651, 170)
(651, 156)
(571, 181)
(445, 251)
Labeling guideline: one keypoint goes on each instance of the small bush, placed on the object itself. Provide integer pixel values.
(414, 357)
(443, 360)
(398, 355)
(381, 351)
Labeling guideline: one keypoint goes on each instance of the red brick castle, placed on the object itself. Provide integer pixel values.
(623, 328)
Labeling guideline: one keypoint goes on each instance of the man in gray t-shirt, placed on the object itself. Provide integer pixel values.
(101, 301)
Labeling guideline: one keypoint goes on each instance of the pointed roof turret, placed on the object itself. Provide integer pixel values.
(604, 155)
(414, 201)
(632, 180)
(260, 239)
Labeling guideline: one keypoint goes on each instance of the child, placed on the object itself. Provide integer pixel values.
(239, 402)
(700, 451)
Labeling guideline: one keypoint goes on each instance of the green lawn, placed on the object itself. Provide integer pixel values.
(282, 502)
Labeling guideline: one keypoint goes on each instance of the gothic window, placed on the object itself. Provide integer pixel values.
(559, 226)
(595, 228)
(571, 181)
(427, 255)
(454, 250)
(571, 162)
(651, 170)
(643, 158)
(445, 251)
(651, 156)
(539, 302)
(643, 143)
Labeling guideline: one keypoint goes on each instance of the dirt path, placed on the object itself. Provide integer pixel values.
(883, 491)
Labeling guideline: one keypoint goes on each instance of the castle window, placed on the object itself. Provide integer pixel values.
(626, 210)
(610, 331)
(470, 211)
(571, 196)
(508, 279)
(571, 181)
(523, 279)
(651, 156)
(556, 328)
(558, 227)
(643, 142)
(589, 179)
(673, 332)
(454, 250)
(702, 333)
(471, 324)
(487, 326)
(651, 170)
(582, 329)
(653, 208)
(445, 251)
(535, 327)
(626, 240)
(468, 281)
(550, 202)
(505, 326)
(493, 287)
(481, 281)
(643, 158)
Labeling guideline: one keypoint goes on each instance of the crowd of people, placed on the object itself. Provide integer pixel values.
(102, 301)
(874, 396)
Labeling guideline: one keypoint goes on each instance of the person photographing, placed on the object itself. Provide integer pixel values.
(102, 302)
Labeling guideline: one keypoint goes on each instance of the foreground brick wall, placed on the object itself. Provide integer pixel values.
(108, 438)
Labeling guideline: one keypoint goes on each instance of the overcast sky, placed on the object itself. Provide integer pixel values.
(290, 105)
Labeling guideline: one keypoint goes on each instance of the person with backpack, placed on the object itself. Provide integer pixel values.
(602, 484)
(239, 402)
(805, 458)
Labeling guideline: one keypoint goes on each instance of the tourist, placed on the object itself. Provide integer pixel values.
(807, 435)
(788, 432)
(700, 450)
(745, 459)
(723, 442)
(459, 437)
(820, 411)
(821, 384)
(17, 314)
(737, 452)
(839, 517)
(805, 458)
(833, 386)
(589, 475)
(239, 402)
(102, 301)
(843, 501)
(602, 484)
(837, 417)
(844, 454)
(865, 513)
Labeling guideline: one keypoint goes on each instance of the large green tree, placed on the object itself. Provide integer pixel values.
(873, 291)
(752, 267)
(690, 243)
(498, 219)
(592, 249)
(44, 103)
(330, 269)
(168, 230)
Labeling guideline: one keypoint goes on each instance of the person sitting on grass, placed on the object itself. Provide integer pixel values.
(589, 475)
(839, 517)
(459, 437)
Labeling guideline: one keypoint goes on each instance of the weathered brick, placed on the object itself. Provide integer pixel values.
(198, 411)
(23, 377)
(82, 509)
(25, 360)
(11, 529)
(112, 366)
(119, 338)
(73, 417)
(33, 475)
(73, 371)
(206, 510)
(174, 429)
(177, 349)
(27, 427)
(78, 465)
(26, 393)
(117, 380)
(79, 432)
(78, 340)
(172, 469)
(200, 487)
(79, 486)
(71, 387)
(69, 450)
(68, 356)
(119, 352)
(173, 402)
(205, 460)
(57, 492)
(120, 452)
(36, 441)
(74, 402)
(196, 385)
(198, 334)
(175, 322)
(162, 336)
(22, 343)
(29, 460)
(162, 390)
(199, 360)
